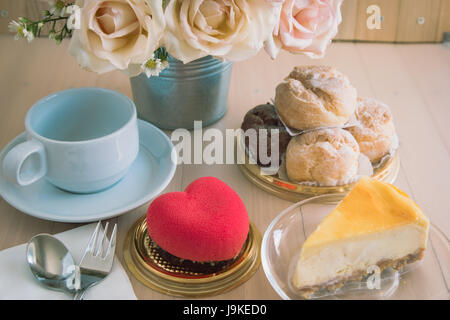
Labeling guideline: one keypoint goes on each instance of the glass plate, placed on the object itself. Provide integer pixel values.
(283, 239)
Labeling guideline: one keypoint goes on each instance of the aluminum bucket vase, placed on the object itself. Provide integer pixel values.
(184, 93)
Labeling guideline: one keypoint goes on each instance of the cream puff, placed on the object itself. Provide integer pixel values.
(315, 96)
(326, 157)
(375, 131)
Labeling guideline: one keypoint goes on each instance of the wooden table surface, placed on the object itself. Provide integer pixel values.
(413, 79)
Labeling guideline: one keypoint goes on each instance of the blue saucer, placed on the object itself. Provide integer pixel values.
(150, 173)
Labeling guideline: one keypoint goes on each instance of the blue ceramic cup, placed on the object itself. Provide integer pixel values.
(81, 140)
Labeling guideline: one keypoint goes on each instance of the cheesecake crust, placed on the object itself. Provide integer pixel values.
(338, 282)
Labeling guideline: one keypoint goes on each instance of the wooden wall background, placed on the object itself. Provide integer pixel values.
(400, 19)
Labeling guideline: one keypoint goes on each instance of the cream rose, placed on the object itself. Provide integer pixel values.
(119, 34)
(305, 26)
(229, 29)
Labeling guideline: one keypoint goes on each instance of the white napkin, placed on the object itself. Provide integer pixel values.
(17, 281)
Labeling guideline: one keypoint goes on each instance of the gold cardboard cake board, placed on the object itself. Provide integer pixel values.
(294, 192)
(152, 270)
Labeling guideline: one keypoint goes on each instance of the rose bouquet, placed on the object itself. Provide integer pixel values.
(137, 36)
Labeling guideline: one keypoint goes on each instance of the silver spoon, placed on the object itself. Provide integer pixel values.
(51, 263)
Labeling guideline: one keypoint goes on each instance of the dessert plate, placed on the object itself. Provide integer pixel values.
(150, 173)
(280, 186)
(283, 239)
(150, 268)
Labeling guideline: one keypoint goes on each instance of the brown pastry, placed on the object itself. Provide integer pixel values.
(265, 117)
(315, 96)
(327, 157)
(375, 131)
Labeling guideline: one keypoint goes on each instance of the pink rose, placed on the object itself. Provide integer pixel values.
(305, 26)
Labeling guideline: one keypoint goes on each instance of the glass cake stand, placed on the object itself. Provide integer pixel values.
(283, 239)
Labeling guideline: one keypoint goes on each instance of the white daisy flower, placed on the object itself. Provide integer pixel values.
(28, 35)
(153, 67)
(17, 28)
(21, 32)
(57, 7)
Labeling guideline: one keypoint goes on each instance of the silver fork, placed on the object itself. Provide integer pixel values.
(97, 260)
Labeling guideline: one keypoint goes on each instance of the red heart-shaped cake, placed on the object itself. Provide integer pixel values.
(206, 222)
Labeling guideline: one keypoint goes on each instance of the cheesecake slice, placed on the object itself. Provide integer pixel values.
(375, 224)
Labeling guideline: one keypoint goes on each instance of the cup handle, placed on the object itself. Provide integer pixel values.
(25, 163)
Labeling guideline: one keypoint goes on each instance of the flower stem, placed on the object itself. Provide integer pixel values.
(26, 28)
